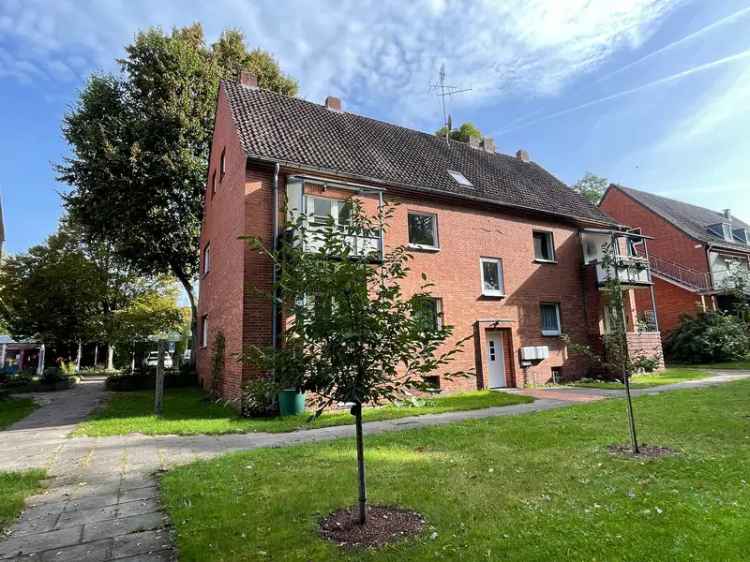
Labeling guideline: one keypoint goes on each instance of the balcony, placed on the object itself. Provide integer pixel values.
(630, 271)
(361, 245)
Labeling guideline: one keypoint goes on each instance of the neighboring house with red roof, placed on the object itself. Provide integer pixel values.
(694, 254)
(513, 253)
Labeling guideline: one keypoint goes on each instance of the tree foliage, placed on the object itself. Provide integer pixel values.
(66, 292)
(355, 336)
(708, 337)
(592, 187)
(140, 144)
(462, 134)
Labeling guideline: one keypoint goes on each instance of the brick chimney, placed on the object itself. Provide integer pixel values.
(333, 103)
(488, 143)
(522, 155)
(475, 142)
(248, 79)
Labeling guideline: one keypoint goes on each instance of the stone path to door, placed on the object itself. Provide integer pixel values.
(102, 500)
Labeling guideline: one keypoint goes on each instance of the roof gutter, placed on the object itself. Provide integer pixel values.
(418, 189)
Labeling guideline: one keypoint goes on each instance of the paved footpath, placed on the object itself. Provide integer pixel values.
(102, 499)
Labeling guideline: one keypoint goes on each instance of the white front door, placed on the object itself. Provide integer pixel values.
(495, 360)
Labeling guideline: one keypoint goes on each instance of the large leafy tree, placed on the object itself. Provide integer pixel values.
(51, 293)
(592, 187)
(355, 336)
(141, 141)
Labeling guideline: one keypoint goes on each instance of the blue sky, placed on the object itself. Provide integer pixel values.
(654, 94)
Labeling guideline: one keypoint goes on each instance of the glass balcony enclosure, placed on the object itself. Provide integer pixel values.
(327, 203)
(629, 262)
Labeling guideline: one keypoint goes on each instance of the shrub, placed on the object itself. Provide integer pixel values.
(643, 363)
(259, 398)
(217, 364)
(146, 380)
(710, 337)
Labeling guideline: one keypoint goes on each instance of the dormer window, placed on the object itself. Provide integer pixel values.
(722, 230)
(460, 178)
(742, 235)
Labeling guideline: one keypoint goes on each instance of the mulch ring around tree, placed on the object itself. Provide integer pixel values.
(385, 525)
(645, 451)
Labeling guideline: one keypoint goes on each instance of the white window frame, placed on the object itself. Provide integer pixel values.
(204, 331)
(549, 239)
(436, 238)
(460, 179)
(556, 332)
(336, 205)
(501, 277)
(207, 258)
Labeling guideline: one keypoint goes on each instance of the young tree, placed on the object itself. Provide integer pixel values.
(592, 187)
(141, 142)
(461, 134)
(355, 337)
(616, 358)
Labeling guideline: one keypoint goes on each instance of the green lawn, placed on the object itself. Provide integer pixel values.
(668, 376)
(187, 412)
(743, 365)
(14, 488)
(14, 409)
(534, 487)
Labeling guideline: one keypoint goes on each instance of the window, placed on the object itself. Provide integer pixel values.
(223, 163)
(213, 184)
(492, 277)
(423, 230)
(429, 313)
(322, 210)
(550, 319)
(204, 331)
(544, 246)
(727, 230)
(432, 383)
(207, 258)
(557, 374)
(460, 178)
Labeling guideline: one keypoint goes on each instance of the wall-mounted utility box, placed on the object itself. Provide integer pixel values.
(534, 353)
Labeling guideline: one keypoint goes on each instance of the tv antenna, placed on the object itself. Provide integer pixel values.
(444, 91)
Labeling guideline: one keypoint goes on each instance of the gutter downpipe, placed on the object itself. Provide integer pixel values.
(275, 243)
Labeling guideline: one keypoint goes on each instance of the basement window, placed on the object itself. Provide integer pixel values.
(460, 178)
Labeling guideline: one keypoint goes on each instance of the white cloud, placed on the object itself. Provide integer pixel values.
(371, 53)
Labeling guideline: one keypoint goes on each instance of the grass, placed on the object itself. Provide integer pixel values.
(14, 409)
(15, 487)
(743, 365)
(534, 487)
(187, 412)
(668, 376)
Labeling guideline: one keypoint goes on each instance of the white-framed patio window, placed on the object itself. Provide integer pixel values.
(320, 210)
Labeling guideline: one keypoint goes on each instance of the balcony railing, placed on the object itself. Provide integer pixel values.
(697, 280)
(632, 270)
(370, 245)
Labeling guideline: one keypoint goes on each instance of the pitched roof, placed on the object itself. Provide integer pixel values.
(691, 219)
(298, 132)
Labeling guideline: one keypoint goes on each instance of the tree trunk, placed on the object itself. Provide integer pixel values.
(110, 357)
(159, 390)
(78, 356)
(357, 411)
(188, 286)
(132, 361)
(96, 355)
(631, 417)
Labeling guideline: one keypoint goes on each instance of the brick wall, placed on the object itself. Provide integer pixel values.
(648, 343)
(221, 290)
(671, 303)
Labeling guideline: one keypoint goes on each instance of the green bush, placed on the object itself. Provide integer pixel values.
(260, 398)
(710, 337)
(146, 380)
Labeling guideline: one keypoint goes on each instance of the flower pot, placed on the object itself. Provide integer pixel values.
(291, 402)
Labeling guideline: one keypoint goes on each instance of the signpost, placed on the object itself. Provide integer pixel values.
(159, 391)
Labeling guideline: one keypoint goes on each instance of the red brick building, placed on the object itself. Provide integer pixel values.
(500, 237)
(692, 254)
